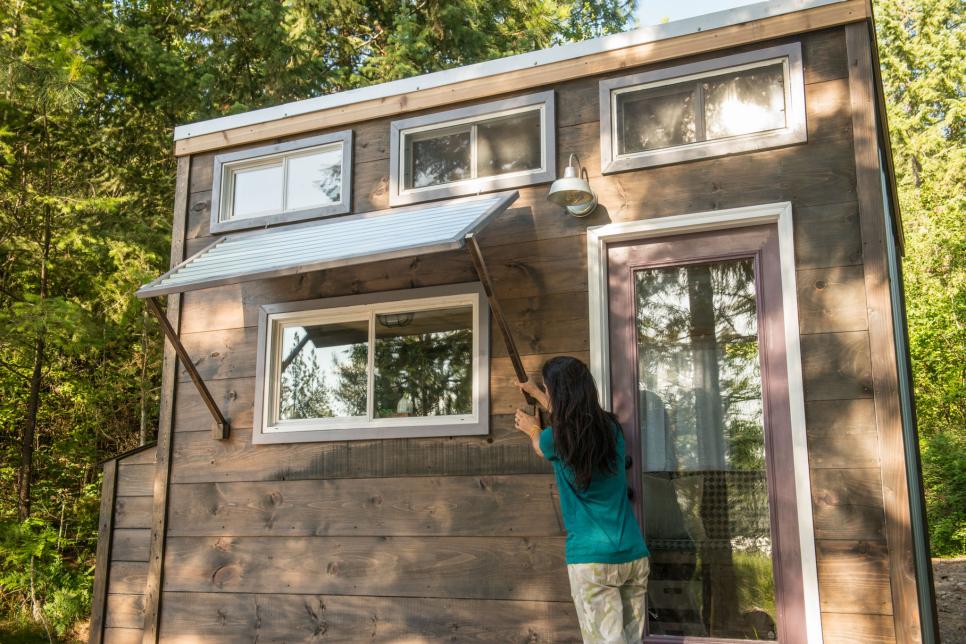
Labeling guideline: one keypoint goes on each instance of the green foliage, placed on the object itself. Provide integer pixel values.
(921, 46)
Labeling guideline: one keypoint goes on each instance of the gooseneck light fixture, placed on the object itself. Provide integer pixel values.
(573, 191)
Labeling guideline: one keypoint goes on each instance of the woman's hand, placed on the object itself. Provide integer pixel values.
(524, 422)
(534, 391)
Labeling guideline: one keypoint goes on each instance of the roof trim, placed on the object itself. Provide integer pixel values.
(498, 202)
(540, 58)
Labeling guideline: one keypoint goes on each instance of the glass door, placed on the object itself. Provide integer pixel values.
(699, 389)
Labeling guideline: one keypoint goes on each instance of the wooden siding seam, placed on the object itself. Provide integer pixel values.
(103, 556)
(162, 474)
(881, 334)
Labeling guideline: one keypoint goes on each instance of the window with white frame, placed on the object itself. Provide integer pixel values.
(748, 101)
(280, 183)
(493, 146)
(406, 363)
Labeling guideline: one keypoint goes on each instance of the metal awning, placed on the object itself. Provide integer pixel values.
(330, 243)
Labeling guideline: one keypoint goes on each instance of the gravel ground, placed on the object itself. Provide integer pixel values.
(950, 577)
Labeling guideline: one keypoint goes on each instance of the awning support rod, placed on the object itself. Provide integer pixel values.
(221, 428)
(480, 265)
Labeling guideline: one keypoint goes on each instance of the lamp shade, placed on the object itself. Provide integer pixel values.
(573, 192)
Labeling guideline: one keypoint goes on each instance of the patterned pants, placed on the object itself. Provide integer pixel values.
(610, 600)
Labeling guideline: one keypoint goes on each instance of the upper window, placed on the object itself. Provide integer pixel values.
(385, 365)
(282, 183)
(498, 145)
(748, 101)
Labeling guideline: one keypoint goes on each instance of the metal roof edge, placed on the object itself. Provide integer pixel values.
(559, 53)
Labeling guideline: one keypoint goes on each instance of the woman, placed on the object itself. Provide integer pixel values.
(607, 560)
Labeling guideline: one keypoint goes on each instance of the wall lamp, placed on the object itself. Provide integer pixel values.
(573, 191)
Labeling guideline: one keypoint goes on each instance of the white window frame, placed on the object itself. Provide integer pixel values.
(226, 165)
(273, 318)
(780, 215)
(795, 130)
(543, 101)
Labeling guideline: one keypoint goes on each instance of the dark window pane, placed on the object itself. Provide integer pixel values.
(656, 118)
(508, 144)
(748, 101)
(424, 363)
(705, 493)
(323, 370)
(438, 157)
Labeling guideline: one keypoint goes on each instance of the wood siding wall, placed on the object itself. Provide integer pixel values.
(127, 546)
(460, 538)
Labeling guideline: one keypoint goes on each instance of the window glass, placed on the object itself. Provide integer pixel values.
(257, 190)
(508, 144)
(436, 158)
(314, 179)
(705, 491)
(706, 109)
(424, 363)
(653, 119)
(322, 370)
(749, 101)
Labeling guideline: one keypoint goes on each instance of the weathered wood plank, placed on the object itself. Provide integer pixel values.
(131, 544)
(197, 458)
(123, 635)
(858, 629)
(235, 398)
(133, 512)
(523, 505)
(827, 235)
(125, 611)
(128, 577)
(828, 113)
(847, 504)
(139, 457)
(831, 300)
(883, 369)
(102, 562)
(823, 55)
(853, 577)
(453, 567)
(223, 618)
(135, 479)
(836, 366)
(842, 434)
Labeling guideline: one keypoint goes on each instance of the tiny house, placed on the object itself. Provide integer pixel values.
(358, 281)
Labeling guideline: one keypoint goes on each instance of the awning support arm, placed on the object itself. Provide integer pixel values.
(221, 427)
(480, 265)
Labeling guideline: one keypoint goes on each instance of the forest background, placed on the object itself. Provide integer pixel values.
(89, 93)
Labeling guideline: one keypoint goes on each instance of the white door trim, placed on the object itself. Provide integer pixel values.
(779, 213)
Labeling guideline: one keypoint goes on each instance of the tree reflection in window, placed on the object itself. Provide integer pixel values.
(705, 496)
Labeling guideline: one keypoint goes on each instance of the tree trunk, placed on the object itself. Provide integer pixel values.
(36, 377)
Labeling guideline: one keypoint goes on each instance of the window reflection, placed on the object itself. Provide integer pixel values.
(508, 144)
(438, 158)
(424, 363)
(705, 496)
(715, 107)
(314, 380)
(314, 179)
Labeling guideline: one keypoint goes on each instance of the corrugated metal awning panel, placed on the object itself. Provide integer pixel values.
(330, 243)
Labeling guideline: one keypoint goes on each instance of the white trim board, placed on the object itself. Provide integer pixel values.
(569, 51)
(780, 214)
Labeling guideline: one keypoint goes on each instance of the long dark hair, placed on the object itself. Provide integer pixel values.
(583, 432)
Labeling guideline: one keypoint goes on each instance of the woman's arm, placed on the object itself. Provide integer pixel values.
(535, 392)
(530, 426)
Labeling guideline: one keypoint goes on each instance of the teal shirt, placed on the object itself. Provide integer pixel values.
(601, 526)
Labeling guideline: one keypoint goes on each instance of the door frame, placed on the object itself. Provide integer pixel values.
(780, 215)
